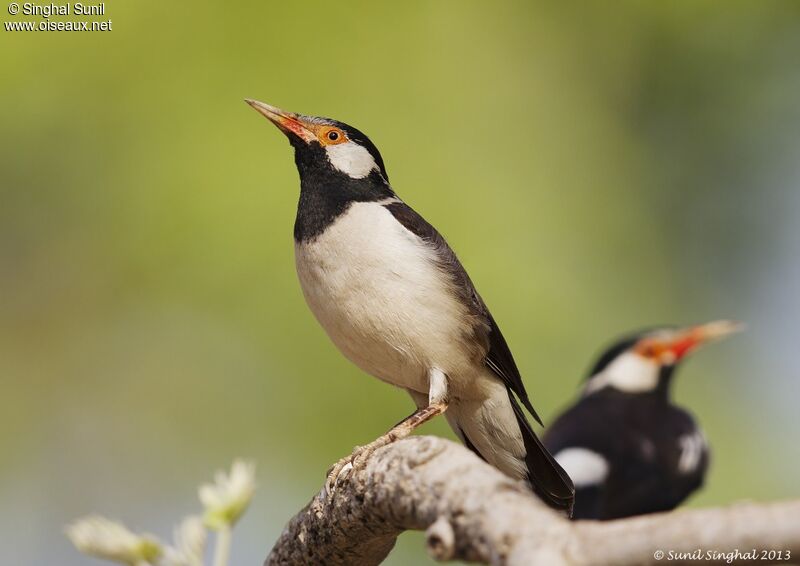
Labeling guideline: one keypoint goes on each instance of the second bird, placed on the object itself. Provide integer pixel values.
(395, 300)
(629, 449)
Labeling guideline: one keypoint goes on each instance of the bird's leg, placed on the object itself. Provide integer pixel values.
(361, 453)
(437, 404)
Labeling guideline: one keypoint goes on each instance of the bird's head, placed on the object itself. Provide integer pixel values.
(645, 361)
(326, 148)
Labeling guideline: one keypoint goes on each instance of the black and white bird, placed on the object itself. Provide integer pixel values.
(393, 297)
(628, 449)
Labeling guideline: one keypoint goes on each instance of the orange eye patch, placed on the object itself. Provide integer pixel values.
(648, 348)
(331, 135)
(674, 348)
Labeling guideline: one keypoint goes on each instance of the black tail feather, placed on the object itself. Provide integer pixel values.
(547, 478)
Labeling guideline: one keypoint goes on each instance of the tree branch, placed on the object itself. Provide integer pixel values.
(472, 512)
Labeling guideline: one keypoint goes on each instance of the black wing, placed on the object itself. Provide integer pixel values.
(618, 426)
(498, 356)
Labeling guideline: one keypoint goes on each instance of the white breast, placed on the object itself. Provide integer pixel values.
(377, 291)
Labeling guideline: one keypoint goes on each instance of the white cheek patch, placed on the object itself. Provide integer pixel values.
(351, 159)
(586, 467)
(630, 372)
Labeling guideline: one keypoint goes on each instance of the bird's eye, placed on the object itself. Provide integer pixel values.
(332, 136)
(647, 349)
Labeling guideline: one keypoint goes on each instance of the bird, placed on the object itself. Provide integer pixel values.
(629, 449)
(393, 297)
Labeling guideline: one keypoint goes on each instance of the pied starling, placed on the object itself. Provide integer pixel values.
(628, 449)
(393, 297)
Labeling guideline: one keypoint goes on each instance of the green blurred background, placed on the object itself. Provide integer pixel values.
(598, 166)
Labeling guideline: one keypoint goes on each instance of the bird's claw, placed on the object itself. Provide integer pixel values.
(346, 466)
(360, 459)
(333, 476)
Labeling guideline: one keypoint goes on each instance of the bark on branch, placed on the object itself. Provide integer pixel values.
(472, 512)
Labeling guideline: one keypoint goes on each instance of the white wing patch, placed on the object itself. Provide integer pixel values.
(351, 159)
(585, 467)
(692, 447)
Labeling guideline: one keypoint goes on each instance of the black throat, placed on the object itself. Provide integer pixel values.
(326, 193)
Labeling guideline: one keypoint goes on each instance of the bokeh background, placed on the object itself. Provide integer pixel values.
(597, 168)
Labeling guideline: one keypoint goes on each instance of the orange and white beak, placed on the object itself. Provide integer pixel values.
(289, 123)
(670, 348)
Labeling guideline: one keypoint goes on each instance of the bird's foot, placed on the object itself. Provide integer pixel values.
(361, 454)
(354, 462)
(339, 470)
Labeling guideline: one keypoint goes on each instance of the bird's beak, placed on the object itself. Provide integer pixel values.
(291, 124)
(682, 342)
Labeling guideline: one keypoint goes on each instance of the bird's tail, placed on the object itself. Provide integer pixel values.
(546, 476)
(497, 430)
